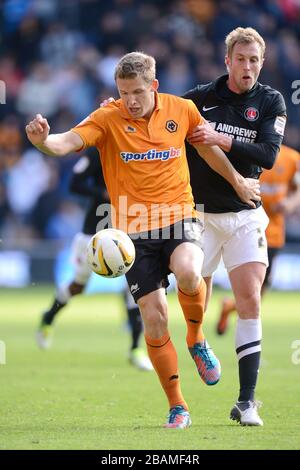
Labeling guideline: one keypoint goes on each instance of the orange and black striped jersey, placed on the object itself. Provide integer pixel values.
(275, 185)
(144, 161)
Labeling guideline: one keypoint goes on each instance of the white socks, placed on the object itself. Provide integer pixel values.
(248, 337)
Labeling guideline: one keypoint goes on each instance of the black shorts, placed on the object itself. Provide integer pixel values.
(153, 251)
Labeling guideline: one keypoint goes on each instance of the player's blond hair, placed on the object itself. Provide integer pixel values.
(136, 64)
(244, 36)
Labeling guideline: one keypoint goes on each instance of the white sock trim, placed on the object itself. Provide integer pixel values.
(248, 332)
(248, 351)
(63, 294)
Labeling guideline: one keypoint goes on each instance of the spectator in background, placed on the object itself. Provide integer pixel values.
(38, 91)
(24, 41)
(59, 45)
(30, 174)
(65, 222)
(11, 75)
(76, 90)
(177, 75)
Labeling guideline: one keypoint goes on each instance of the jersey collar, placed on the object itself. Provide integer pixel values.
(225, 93)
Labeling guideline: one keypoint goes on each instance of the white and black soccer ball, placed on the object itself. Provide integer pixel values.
(110, 253)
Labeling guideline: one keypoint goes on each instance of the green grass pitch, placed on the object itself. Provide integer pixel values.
(83, 393)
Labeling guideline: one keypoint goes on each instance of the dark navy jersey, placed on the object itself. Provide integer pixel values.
(87, 180)
(255, 120)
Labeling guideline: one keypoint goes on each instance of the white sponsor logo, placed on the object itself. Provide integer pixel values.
(134, 288)
(208, 109)
(279, 125)
(239, 133)
(152, 154)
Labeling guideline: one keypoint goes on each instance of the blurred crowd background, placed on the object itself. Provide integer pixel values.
(57, 58)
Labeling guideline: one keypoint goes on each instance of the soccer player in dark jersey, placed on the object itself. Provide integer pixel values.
(87, 180)
(246, 120)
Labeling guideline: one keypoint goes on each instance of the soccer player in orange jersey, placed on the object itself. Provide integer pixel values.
(141, 140)
(280, 193)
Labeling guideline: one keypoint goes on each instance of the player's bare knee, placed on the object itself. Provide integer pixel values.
(155, 317)
(188, 279)
(248, 306)
(158, 319)
(156, 309)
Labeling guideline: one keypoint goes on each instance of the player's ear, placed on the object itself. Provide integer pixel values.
(227, 62)
(155, 85)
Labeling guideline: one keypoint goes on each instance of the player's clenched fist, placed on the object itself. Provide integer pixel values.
(37, 130)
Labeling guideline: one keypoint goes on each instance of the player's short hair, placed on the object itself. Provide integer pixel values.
(136, 64)
(244, 36)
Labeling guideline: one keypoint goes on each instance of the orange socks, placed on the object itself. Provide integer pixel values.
(193, 310)
(164, 359)
(162, 352)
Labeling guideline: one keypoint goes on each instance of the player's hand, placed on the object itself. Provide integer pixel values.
(204, 134)
(37, 130)
(248, 191)
(106, 102)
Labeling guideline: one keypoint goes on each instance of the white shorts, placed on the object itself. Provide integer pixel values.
(79, 258)
(237, 237)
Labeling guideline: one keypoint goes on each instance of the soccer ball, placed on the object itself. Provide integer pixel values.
(110, 253)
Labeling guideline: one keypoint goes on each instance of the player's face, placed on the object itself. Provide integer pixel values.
(244, 66)
(138, 96)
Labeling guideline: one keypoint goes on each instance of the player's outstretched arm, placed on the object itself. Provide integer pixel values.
(37, 132)
(248, 189)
